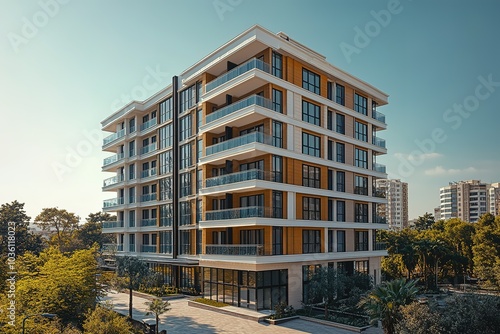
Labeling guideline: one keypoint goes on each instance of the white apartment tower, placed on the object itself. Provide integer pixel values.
(396, 209)
(253, 168)
(466, 200)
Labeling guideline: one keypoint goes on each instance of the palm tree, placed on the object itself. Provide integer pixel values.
(383, 302)
(157, 307)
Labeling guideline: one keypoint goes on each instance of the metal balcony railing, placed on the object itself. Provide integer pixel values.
(242, 250)
(237, 213)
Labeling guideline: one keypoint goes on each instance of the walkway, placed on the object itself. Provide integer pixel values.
(186, 319)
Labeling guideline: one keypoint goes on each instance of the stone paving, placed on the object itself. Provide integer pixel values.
(183, 319)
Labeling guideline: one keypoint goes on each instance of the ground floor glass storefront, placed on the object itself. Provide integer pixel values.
(255, 290)
(177, 275)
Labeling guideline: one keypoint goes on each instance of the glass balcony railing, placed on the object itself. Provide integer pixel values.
(113, 202)
(148, 197)
(131, 248)
(251, 250)
(379, 168)
(112, 180)
(252, 100)
(166, 248)
(254, 137)
(379, 220)
(112, 224)
(114, 136)
(378, 141)
(235, 72)
(148, 149)
(148, 172)
(378, 116)
(113, 159)
(148, 124)
(252, 174)
(148, 222)
(378, 246)
(112, 248)
(148, 248)
(132, 129)
(236, 213)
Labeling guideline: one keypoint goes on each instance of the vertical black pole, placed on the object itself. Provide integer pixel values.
(175, 176)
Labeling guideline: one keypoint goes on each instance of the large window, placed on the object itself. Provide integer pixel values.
(329, 120)
(166, 136)
(330, 182)
(252, 237)
(311, 208)
(360, 213)
(186, 159)
(166, 214)
(360, 185)
(340, 152)
(185, 213)
(340, 94)
(340, 181)
(340, 123)
(166, 162)
(277, 240)
(199, 149)
(186, 127)
(277, 134)
(341, 241)
(361, 131)
(166, 189)
(185, 243)
(277, 204)
(360, 240)
(310, 81)
(311, 176)
(311, 241)
(311, 113)
(166, 110)
(330, 240)
(360, 104)
(166, 242)
(277, 65)
(199, 119)
(311, 145)
(360, 158)
(330, 150)
(185, 184)
(277, 101)
(340, 211)
(362, 267)
(277, 168)
(188, 98)
(254, 200)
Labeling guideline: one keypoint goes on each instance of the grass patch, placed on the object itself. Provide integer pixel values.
(210, 302)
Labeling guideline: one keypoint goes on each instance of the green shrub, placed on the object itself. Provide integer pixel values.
(210, 302)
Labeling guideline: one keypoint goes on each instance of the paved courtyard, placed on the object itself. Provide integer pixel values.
(186, 319)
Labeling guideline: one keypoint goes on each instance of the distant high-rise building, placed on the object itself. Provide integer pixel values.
(466, 200)
(494, 199)
(396, 209)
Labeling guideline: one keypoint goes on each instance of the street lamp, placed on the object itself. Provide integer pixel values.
(45, 315)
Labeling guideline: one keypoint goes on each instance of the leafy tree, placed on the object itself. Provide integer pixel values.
(157, 307)
(99, 217)
(384, 301)
(327, 284)
(61, 223)
(486, 250)
(424, 222)
(403, 243)
(91, 231)
(418, 318)
(134, 271)
(103, 320)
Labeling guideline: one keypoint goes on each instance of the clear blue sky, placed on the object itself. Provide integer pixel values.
(64, 67)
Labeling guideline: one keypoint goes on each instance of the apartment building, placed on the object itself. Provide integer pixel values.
(466, 200)
(494, 199)
(255, 167)
(396, 209)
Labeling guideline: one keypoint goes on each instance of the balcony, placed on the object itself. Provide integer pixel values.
(112, 224)
(148, 197)
(251, 250)
(108, 203)
(166, 248)
(379, 220)
(237, 213)
(148, 248)
(378, 141)
(148, 124)
(378, 116)
(112, 248)
(379, 168)
(235, 72)
(378, 246)
(148, 149)
(252, 174)
(255, 137)
(131, 248)
(148, 172)
(114, 136)
(252, 100)
(114, 158)
(148, 222)
(113, 180)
